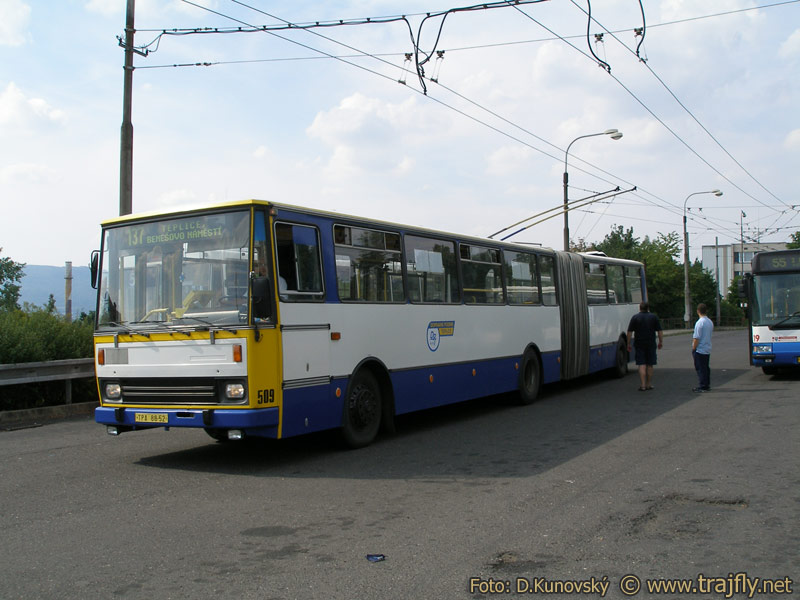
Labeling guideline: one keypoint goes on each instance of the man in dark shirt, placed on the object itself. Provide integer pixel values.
(643, 329)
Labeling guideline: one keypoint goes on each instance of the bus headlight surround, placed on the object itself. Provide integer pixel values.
(113, 391)
(762, 348)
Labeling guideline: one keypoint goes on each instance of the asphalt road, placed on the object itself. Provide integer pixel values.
(596, 480)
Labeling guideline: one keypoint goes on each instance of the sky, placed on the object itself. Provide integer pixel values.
(320, 118)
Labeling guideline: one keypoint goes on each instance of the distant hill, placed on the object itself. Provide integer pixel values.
(40, 281)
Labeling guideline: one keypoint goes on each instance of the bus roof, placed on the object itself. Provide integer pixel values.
(365, 221)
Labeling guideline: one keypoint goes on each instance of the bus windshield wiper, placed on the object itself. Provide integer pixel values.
(128, 329)
(782, 321)
(207, 322)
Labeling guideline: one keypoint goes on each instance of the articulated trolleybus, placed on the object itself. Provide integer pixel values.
(772, 291)
(260, 319)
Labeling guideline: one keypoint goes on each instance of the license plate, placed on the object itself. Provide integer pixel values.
(150, 418)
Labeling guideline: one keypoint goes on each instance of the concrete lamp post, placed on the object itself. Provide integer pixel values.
(615, 135)
(687, 301)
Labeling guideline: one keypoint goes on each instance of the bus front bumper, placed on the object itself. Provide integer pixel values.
(258, 422)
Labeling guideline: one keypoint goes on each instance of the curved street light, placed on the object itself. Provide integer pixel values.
(687, 304)
(615, 135)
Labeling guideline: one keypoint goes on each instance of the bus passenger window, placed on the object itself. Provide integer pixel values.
(431, 269)
(368, 265)
(616, 284)
(633, 285)
(299, 264)
(548, 280)
(595, 283)
(480, 268)
(521, 282)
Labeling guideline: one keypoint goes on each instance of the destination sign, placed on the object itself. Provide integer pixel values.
(170, 232)
(776, 262)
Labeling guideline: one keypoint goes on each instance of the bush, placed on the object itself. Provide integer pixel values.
(38, 334)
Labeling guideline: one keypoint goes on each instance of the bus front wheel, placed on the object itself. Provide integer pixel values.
(530, 377)
(362, 410)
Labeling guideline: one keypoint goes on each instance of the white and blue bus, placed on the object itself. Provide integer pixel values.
(260, 319)
(772, 292)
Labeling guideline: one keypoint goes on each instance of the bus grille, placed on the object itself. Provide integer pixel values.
(194, 391)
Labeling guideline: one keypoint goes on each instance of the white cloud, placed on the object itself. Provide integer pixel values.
(178, 198)
(508, 160)
(105, 7)
(14, 18)
(25, 173)
(16, 110)
(791, 47)
(366, 133)
(792, 141)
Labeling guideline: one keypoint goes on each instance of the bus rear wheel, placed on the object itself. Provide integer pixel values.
(362, 410)
(620, 368)
(530, 378)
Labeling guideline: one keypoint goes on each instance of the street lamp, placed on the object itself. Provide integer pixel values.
(615, 135)
(687, 305)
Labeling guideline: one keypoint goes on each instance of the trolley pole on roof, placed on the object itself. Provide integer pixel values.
(126, 137)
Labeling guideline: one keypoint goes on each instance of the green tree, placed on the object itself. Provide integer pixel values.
(10, 275)
(664, 269)
(620, 244)
(794, 241)
(703, 288)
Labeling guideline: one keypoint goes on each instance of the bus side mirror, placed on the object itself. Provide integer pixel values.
(262, 298)
(743, 286)
(94, 264)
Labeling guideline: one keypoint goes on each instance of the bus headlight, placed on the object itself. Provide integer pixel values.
(113, 391)
(762, 348)
(234, 391)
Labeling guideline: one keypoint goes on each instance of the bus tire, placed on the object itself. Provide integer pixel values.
(362, 410)
(620, 368)
(530, 377)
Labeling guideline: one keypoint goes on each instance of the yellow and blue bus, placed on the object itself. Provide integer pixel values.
(772, 292)
(254, 318)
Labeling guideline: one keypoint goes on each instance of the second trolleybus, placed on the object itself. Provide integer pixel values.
(772, 292)
(256, 318)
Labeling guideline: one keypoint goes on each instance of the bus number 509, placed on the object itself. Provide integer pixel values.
(266, 396)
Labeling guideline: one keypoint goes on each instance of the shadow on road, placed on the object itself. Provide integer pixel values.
(485, 438)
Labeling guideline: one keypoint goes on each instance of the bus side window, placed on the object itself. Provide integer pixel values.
(368, 265)
(299, 263)
(595, 283)
(481, 274)
(431, 270)
(616, 284)
(548, 280)
(633, 285)
(521, 282)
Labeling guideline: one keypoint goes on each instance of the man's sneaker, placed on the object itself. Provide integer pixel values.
(699, 390)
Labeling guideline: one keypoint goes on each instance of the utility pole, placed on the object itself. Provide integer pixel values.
(68, 291)
(716, 259)
(126, 137)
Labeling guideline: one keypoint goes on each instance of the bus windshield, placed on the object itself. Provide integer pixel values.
(185, 270)
(776, 300)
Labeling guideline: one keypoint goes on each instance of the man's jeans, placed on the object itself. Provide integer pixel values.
(701, 365)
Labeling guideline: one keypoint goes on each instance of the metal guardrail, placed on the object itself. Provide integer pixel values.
(52, 370)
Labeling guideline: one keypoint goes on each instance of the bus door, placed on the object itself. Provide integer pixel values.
(304, 325)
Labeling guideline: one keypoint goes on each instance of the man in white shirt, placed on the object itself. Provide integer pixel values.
(701, 349)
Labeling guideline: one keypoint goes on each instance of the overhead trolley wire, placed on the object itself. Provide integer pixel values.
(670, 207)
(685, 108)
